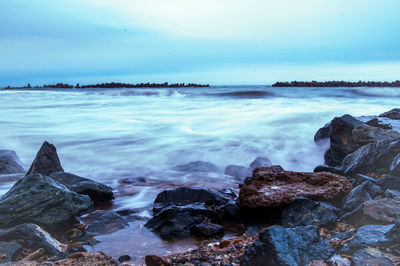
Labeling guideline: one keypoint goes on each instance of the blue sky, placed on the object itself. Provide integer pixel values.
(208, 41)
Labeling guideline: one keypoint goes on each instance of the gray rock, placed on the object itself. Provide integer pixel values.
(390, 182)
(196, 166)
(323, 133)
(208, 229)
(10, 163)
(392, 114)
(364, 134)
(359, 179)
(370, 256)
(46, 160)
(376, 122)
(98, 192)
(361, 194)
(9, 251)
(237, 171)
(392, 194)
(302, 211)
(287, 246)
(41, 200)
(259, 162)
(107, 223)
(395, 167)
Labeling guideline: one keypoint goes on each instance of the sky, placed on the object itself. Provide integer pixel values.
(207, 41)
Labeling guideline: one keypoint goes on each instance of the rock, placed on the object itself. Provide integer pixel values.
(323, 133)
(302, 211)
(392, 114)
(124, 258)
(10, 163)
(237, 171)
(154, 260)
(85, 259)
(41, 200)
(364, 134)
(373, 159)
(361, 194)
(370, 256)
(390, 182)
(329, 169)
(197, 166)
(341, 139)
(395, 167)
(208, 229)
(107, 223)
(271, 189)
(394, 233)
(375, 122)
(343, 235)
(338, 260)
(287, 246)
(46, 160)
(359, 179)
(98, 192)
(259, 162)
(368, 235)
(383, 211)
(392, 194)
(9, 251)
(133, 180)
(31, 236)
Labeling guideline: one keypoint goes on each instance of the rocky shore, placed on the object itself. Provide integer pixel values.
(346, 212)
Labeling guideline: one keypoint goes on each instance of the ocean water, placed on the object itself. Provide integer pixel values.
(110, 134)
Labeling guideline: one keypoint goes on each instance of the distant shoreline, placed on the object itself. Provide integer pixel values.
(337, 84)
(111, 85)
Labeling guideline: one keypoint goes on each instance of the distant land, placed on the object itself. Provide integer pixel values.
(337, 84)
(112, 85)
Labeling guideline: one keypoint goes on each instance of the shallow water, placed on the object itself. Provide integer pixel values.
(109, 134)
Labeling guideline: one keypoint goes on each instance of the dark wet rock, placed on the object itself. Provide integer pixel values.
(41, 200)
(343, 235)
(10, 163)
(237, 171)
(392, 114)
(124, 258)
(374, 159)
(46, 160)
(107, 223)
(375, 122)
(341, 139)
(390, 182)
(9, 251)
(382, 211)
(31, 236)
(392, 194)
(368, 235)
(361, 194)
(323, 133)
(259, 162)
(329, 169)
(133, 180)
(208, 229)
(287, 246)
(365, 134)
(98, 192)
(302, 211)
(395, 167)
(154, 260)
(394, 233)
(272, 189)
(359, 179)
(197, 166)
(370, 256)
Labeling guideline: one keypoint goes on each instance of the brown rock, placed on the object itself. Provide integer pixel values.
(154, 260)
(364, 134)
(276, 188)
(336, 243)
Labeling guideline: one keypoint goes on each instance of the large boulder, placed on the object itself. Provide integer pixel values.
(341, 139)
(361, 194)
(197, 166)
(276, 188)
(10, 163)
(374, 159)
(96, 191)
(287, 246)
(46, 160)
(392, 114)
(41, 200)
(302, 211)
(365, 134)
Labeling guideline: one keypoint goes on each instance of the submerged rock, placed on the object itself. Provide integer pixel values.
(96, 191)
(287, 246)
(10, 163)
(107, 223)
(46, 160)
(392, 114)
(197, 166)
(41, 200)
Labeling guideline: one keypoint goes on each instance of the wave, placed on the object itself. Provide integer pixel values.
(245, 94)
(377, 92)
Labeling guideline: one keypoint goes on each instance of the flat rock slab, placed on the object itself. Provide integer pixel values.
(276, 188)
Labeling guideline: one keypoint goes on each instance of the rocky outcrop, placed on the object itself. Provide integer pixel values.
(392, 114)
(276, 188)
(287, 246)
(365, 134)
(46, 160)
(197, 166)
(41, 200)
(10, 163)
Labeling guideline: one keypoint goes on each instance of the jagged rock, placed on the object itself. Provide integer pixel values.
(287, 246)
(370, 256)
(197, 166)
(237, 171)
(46, 160)
(41, 200)
(383, 211)
(361, 194)
(368, 235)
(395, 167)
(107, 223)
(392, 114)
(31, 236)
(373, 159)
(341, 139)
(10, 163)
(323, 133)
(390, 182)
(364, 134)
(375, 122)
(276, 188)
(96, 191)
(302, 211)
(208, 229)
(9, 251)
(259, 162)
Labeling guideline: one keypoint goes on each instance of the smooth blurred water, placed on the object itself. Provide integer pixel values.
(109, 134)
